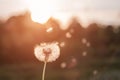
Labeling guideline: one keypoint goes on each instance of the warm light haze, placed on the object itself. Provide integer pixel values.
(105, 12)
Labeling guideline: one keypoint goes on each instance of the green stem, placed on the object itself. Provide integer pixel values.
(43, 73)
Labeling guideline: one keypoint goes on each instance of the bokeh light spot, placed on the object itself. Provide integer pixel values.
(84, 41)
(63, 65)
(95, 72)
(49, 29)
(84, 53)
(68, 35)
(62, 44)
(88, 44)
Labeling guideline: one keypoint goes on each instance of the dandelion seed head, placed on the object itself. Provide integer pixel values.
(47, 52)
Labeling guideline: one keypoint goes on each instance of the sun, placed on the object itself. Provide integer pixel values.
(41, 10)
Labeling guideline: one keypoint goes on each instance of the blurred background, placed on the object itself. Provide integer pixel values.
(90, 52)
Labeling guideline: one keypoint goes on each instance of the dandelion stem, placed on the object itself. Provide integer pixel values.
(43, 73)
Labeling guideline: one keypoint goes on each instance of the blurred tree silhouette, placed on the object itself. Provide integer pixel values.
(83, 49)
(19, 34)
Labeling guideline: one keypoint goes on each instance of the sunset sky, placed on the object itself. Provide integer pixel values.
(103, 11)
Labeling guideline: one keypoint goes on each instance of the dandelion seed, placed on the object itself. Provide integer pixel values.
(72, 63)
(63, 65)
(72, 30)
(84, 41)
(68, 35)
(49, 29)
(74, 60)
(84, 53)
(88, 44)
(62, 44)
(95, 72)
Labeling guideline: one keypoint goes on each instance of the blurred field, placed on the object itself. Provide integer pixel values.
(34, 72)
(95, 70)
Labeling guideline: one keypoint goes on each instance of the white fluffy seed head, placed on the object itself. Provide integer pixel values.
(47, 52)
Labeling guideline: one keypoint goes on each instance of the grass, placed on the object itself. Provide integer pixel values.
(33, 71)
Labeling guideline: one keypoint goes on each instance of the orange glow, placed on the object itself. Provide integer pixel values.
(41, 10)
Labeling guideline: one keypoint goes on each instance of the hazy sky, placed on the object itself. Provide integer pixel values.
(105, 11)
